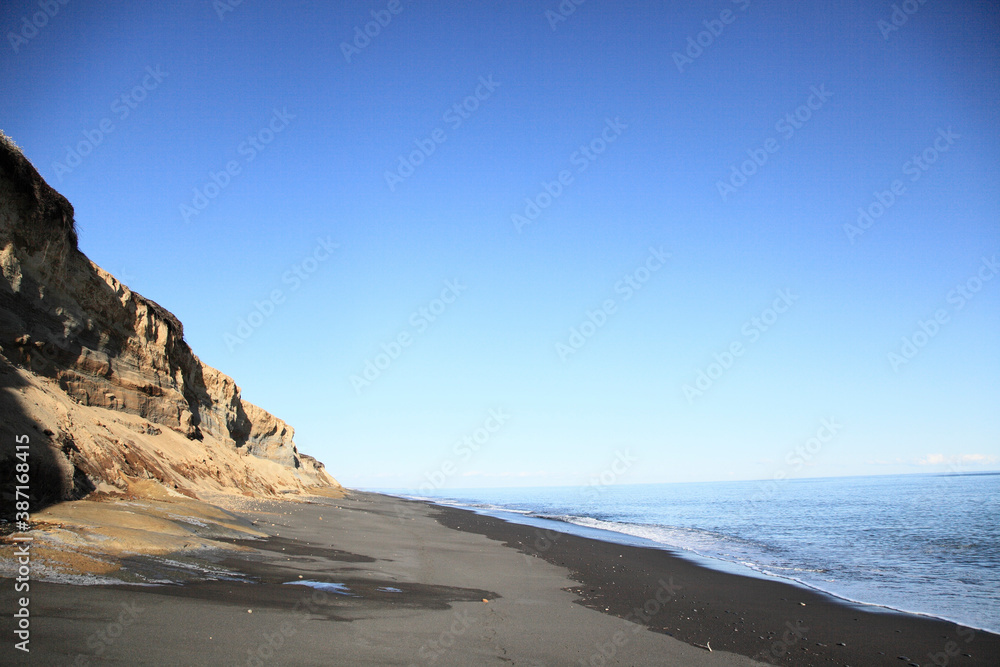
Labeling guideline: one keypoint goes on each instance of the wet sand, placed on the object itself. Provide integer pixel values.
(404, 587)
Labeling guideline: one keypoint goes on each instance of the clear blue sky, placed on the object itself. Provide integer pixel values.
(308, 130)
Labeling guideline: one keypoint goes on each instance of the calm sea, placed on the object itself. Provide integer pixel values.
(928, 544)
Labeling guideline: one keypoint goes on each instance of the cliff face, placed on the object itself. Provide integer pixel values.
(77, 347)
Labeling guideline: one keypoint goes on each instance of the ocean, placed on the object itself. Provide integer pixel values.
(928, 543)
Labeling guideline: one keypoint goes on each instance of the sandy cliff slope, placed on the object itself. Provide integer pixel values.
(102, 382)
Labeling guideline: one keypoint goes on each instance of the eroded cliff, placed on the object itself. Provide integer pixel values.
(101, 379)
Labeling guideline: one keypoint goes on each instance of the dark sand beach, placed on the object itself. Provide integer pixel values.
(417, 584)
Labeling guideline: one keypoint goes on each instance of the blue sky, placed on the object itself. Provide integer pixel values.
(232, 166)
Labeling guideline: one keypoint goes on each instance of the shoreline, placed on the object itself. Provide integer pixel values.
(699, 559)
(409, 582)
(916, 636)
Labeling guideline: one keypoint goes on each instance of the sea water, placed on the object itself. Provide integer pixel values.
(928, 543)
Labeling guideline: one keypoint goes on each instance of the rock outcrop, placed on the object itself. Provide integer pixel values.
(101, 379)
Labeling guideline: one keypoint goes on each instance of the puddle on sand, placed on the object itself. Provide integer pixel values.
(339, 589)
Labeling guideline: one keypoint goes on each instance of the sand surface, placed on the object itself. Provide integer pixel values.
(406, 590)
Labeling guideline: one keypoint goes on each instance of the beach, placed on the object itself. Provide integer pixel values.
(401, 582)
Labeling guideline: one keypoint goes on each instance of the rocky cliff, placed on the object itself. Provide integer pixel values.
(101, 380)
